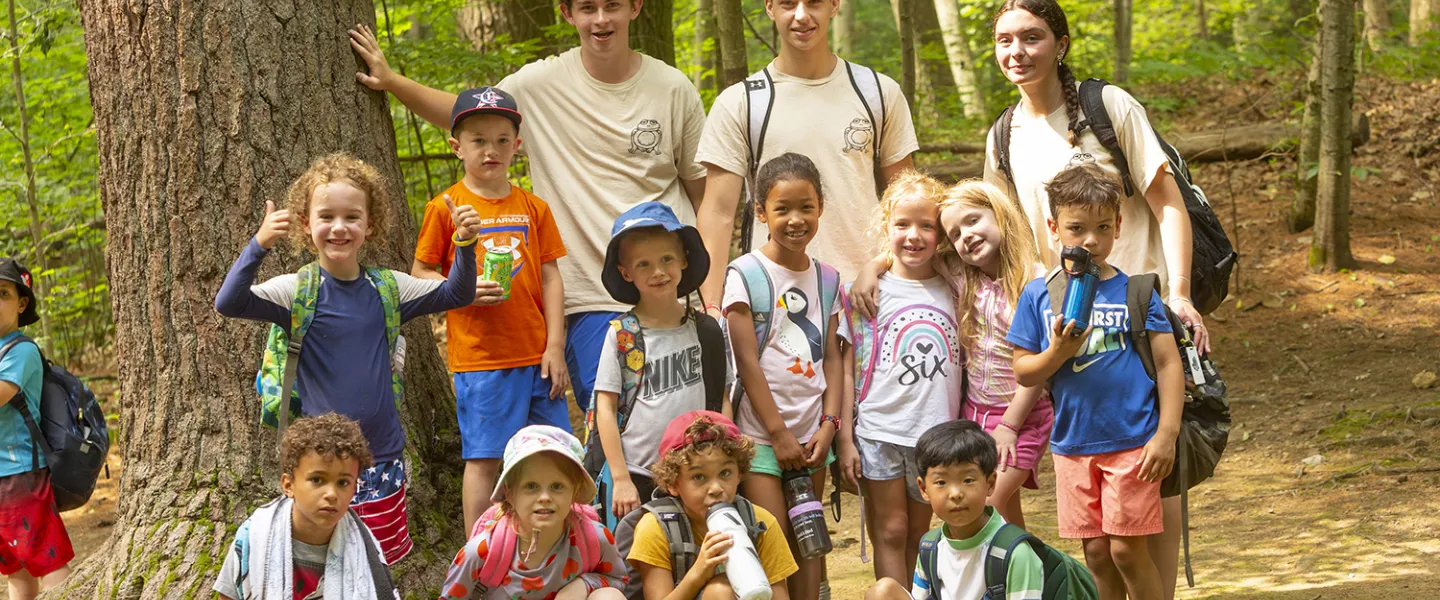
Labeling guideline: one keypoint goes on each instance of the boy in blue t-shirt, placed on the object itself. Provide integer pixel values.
(1113, 443)
(35, 551)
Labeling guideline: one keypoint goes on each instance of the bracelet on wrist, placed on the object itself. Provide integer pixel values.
(463, 243)
(714, 306)
(1182, 299)
(834, 420)
(1009, 426)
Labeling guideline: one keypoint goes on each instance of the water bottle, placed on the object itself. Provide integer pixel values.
(1080, 290)
(807, 515)
(742, 566)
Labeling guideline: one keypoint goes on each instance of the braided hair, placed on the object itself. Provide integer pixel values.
(1054, 17)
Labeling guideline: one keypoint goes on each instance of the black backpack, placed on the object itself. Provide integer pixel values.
(1213, 257)
(683, 548)
(71, 433)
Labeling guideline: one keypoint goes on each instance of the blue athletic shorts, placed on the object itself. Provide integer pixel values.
(492, 405)
(585, 333)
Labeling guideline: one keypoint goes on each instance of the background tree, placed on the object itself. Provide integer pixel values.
(706, 46)
(1302, 209)
(484, 22)
(842, 30)
(730, 27)
(32, 204)
(1203, 26)
(961, 58)
(202, 114)
(941, 92)
(1330, 249)
(653, 32)
(1123, 14)
(1421, 11)
(1377, 22)
(905, 22)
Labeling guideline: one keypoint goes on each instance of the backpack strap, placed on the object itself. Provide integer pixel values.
(997, 558)
(38, 443)
(1137, 300)
(867, 86)
(866, 340)
(829, 286)
(713, 361)
(761, 292)
(384, 282)
(1055, 286)
(683, 549)
(630, 350)
(1092, 102)
(302, 314)
(1000, 134)
(747, 516)
(929, 558)
(501, 548)
(582, 520)
(759, 101)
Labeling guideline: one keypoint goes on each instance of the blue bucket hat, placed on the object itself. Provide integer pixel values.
(654, 214)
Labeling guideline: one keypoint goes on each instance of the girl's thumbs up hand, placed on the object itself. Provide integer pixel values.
(467, 221)
(275, 226)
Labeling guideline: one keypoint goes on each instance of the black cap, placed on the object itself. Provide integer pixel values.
(484, 101)
(11, 270)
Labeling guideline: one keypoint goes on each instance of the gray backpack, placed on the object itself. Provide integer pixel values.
(683, 548)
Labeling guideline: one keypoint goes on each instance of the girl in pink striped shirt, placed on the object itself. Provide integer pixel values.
(997, 249)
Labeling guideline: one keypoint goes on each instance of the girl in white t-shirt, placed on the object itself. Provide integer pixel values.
(904, 369)
(997, 253)
(787, 406)
(1031, 39)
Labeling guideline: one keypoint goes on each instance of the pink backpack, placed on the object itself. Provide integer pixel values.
(504, 541)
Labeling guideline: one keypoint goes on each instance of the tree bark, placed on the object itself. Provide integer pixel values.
(705, 45)
(730, 25)
(653, 32)
(962, 60)
(1203, 20)
(203, 111)
(1123, 16)
(941, 93)
(484, 21)
(1421, 11)
(1330, 248)
(905, 23)
(1302, 209)
(1377, 22)
(842, 34)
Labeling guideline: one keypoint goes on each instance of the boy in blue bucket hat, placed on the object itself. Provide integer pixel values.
(659, 360)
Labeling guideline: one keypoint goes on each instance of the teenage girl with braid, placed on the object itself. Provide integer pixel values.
(1031, 41)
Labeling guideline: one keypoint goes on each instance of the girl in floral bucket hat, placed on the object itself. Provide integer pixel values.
(541, 539)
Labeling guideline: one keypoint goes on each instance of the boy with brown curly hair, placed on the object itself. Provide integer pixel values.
(308, 543)
(703, 457)
(346, 317)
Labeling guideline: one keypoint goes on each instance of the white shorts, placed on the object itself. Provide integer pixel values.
(884, 461)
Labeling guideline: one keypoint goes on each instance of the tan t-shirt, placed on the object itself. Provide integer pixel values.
(1039, 151)
(824, 120)
(596, 149)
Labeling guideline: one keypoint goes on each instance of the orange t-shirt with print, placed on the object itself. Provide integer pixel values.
(512, 333)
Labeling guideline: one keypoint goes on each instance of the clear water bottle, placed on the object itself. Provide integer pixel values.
(807, 515)
(742, 567)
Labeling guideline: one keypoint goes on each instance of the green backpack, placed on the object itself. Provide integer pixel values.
(281, 361)
(1064, 577)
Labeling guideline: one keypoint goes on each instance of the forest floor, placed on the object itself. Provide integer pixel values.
(1330, 488)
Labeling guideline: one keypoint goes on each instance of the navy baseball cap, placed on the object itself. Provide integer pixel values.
(484, 101)
(654, 214)
(11, 270)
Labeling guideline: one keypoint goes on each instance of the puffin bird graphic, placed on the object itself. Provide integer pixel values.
(798, 335)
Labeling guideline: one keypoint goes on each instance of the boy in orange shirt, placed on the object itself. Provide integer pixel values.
(507, 355)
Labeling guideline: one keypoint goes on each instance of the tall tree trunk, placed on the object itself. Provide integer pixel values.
(1123, 16)
(203, 111)
(962, 61)
(653, 32)
(941, 94)
(482, 22)
(905, 23)
(1203, 20)
(1330, 248)
(1377, 22)
(730, 24)
(705, 45)
(1249, 27)
(1421, 11)
(32, 203)
(1302, 209)
(842, 32)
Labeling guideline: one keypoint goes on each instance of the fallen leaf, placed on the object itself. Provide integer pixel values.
(1423, 380)
(1313, 461)
(1386, 259)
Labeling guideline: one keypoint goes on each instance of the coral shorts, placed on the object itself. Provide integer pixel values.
(1102, 494)
(32, 536)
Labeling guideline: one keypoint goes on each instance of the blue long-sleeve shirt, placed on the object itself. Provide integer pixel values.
(345, 359)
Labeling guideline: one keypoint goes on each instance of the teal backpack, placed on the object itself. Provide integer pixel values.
(761, 292)
(1064, 578)
(281, 361)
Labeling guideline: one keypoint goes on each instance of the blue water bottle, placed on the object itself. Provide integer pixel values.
(1080, 291)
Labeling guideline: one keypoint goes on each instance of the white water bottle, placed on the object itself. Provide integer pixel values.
(742, 567)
